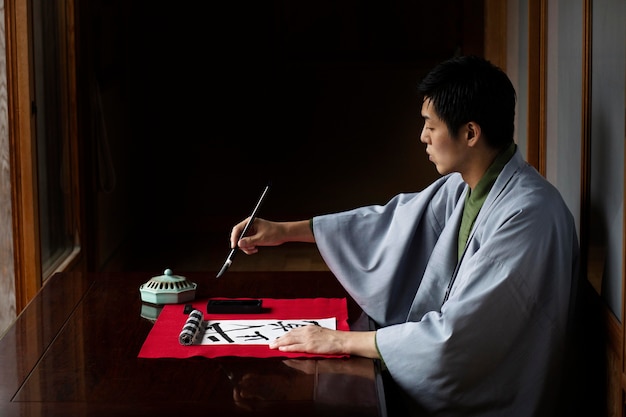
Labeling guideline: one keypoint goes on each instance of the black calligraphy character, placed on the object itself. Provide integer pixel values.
(256, 336)
(286, 327)
(218, 329)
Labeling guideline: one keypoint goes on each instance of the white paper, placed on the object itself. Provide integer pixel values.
(253, 332)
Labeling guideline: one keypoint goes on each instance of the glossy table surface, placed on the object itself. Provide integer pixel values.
(73, 352)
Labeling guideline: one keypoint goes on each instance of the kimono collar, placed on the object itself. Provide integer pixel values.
(474, 199)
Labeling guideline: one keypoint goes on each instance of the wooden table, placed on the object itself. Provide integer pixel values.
(73, 351)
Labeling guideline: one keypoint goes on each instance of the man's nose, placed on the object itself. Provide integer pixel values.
(423, 137)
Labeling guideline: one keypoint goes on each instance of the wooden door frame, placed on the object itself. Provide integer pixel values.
(537, 76)
(27, 259)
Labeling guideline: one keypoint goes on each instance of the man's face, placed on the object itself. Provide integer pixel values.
(448, 153)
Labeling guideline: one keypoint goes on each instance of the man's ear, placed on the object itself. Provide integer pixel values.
(473, 132)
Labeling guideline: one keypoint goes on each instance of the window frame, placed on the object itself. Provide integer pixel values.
(28, 274)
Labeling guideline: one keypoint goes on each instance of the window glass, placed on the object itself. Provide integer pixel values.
(53, 134)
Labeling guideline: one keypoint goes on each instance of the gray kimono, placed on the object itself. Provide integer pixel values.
(480, 336)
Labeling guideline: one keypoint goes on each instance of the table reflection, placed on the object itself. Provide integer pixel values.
(326, 382)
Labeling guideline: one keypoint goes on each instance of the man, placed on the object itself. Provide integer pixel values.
(471, 280)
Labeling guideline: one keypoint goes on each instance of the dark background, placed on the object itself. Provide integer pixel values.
(206, 102)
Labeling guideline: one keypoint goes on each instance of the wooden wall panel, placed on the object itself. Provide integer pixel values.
(495, 32)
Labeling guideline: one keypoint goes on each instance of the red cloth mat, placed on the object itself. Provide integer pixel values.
(163, 342)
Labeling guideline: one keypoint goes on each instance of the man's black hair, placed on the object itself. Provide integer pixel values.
(470, 88)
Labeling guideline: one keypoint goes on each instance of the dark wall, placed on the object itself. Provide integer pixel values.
(318, 97)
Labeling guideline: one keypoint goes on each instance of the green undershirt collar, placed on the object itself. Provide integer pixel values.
(474, 199)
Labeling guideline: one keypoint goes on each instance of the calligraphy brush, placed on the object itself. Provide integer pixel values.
(233, 251)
